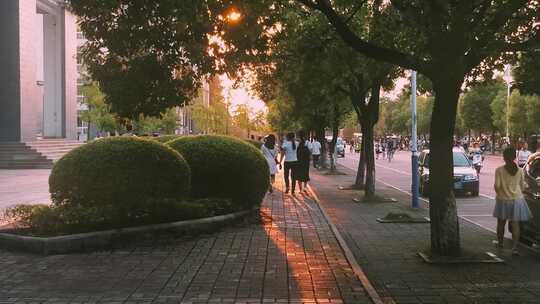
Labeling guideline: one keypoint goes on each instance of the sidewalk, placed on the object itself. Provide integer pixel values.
(290, 256)
(388, 252)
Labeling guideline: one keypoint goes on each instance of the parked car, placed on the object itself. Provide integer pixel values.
(340, 147)
(466, 179)
(530, 231)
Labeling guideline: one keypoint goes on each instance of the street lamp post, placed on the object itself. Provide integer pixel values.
(414, 144)
(508, 78)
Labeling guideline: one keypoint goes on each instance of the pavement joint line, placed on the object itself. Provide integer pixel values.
(371, 291)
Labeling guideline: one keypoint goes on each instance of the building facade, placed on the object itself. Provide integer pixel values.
(38, 83)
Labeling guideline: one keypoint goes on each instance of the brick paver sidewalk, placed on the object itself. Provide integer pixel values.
(291, 257)
(388, 252)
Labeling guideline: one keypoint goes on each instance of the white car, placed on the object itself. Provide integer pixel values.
(466, 178)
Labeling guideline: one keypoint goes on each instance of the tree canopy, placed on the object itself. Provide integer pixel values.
(527, 73)
(476, 108)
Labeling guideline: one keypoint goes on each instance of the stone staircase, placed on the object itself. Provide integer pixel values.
(39, 154)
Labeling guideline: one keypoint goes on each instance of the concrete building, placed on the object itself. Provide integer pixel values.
(38, 82)
(186, 124)
(38, 92)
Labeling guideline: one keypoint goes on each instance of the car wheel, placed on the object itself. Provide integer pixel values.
(526, 241)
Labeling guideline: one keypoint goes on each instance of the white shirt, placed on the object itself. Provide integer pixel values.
(309, 145)
(270, 155)
(316, 147)
(290, 153)
(522, 156)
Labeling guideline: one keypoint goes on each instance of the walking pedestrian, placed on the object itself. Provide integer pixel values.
(377, 150)
(270, 153)
(509, 202)
(315, 152)
(302, 169)
(523, 155)
(390, 153)
(288, 152)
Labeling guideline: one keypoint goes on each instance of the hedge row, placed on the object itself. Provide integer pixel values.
(125, 181)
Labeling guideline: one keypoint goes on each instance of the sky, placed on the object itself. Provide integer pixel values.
(240, 96)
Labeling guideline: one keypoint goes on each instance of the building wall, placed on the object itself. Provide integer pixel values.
(31, 102)
(23, 72)
(71, 75)
(9, 76)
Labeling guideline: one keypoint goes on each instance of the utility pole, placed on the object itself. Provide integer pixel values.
(508, 78)
(414, 144)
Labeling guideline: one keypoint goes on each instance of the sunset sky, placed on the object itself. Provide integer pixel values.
(240, 96)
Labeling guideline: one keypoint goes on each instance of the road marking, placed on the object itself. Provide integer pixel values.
(487, 196)
(395, 170)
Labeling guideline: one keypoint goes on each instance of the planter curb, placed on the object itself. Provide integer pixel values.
(81, 242)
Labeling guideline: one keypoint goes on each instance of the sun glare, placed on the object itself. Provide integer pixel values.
(233, 16)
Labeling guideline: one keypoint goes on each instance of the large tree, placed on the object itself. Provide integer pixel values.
(475, 106)
(151, 55)
(306, 53)
(527, 73)
(446, 41)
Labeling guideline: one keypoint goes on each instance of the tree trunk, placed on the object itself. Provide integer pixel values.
(370, 160)
(335, 132)
(323, 164)
(445, 239)
(359, 183)
(372, 116)
(493, 141)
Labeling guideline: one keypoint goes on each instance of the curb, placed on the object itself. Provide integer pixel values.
(349, 255)
(95, 240)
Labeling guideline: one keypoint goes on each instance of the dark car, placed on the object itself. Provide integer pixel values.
(466, 180)
(531, 230)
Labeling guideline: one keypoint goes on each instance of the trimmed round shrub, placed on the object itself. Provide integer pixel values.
(224, 167)
(165, 138)
(120, 180)
(256, 143)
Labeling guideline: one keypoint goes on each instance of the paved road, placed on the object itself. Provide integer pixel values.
(474, 209)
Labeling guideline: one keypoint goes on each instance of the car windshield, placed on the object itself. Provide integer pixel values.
(460, 160)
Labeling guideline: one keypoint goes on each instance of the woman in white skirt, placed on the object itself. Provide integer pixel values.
(510, 204)
(269, 151)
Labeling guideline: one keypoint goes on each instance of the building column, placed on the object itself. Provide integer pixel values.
(10, 92)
